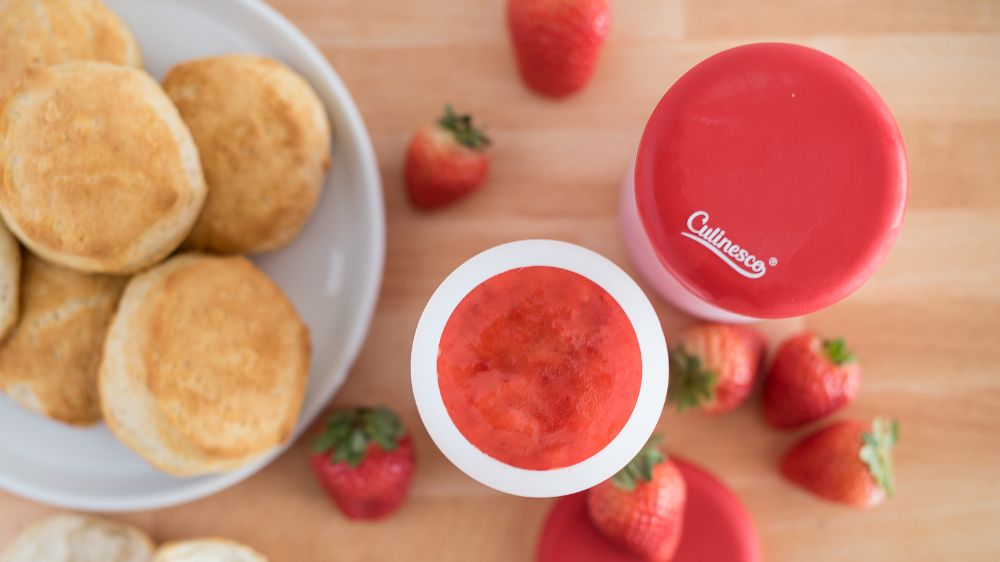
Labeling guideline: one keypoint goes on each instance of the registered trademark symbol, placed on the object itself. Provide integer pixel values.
(772, 262)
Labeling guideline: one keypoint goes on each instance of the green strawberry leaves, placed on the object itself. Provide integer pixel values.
(691, 384)
(640, 469)
(837, 352)
(349, 432)
(384, 428)
(876, 452)
(462, 128)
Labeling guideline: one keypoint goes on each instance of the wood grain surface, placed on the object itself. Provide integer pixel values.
(927, 326)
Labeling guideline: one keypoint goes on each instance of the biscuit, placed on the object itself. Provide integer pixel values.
(70, 537)
(39, 33)
(10, 280)
(98, 171)
(49, 362)
(264, 139)
(204, 366)
(207, 550)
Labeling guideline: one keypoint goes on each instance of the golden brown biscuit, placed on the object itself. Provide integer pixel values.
(264, 140)
(204, 366)
(71, 537)
(39, 33)
(204, 550)
(98, 171)
(10, 280)
(49, 362)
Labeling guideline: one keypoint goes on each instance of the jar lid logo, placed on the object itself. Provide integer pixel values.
(737, 257)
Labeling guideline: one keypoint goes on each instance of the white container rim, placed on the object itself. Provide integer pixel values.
(490, 471)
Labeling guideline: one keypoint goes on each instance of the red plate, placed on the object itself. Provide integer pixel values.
(716, 527)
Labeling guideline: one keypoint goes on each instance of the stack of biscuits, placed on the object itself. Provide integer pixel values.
(127, 208)
(70, 537)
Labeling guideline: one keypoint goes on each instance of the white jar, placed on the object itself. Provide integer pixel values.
(428, 344)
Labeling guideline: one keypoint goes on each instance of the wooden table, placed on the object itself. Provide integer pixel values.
(927, 326)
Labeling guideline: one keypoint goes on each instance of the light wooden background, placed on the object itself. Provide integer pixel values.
(927, 327)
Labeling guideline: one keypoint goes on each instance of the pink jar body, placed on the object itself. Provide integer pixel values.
(643, 255)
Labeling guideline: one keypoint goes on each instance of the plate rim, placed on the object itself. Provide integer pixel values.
(368, 296)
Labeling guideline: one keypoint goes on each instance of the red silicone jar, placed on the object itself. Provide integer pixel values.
(770, 182)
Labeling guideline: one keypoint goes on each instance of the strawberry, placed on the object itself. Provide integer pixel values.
(364, 460)
(642, 507)
(446, 161)
(809, 379)
(557, 42)
(845, 462)
(713, 366)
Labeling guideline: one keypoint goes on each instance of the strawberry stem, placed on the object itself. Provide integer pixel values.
(462, 128)
(690, 383)
(837, 352)
(876, 452)
(640, 469)
(349, 432)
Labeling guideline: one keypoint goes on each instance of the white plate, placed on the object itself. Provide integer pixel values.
(332, 272)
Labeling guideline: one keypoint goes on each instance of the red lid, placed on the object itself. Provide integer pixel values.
(716, 527)
(772, 180)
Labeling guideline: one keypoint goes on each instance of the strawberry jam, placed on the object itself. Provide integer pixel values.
(539, 368)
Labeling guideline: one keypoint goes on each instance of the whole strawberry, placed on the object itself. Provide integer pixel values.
(364, 460)
(446, 161)
(848, 462)
(713, 366)
(557, 43)
(809, 379)
(642, 507)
